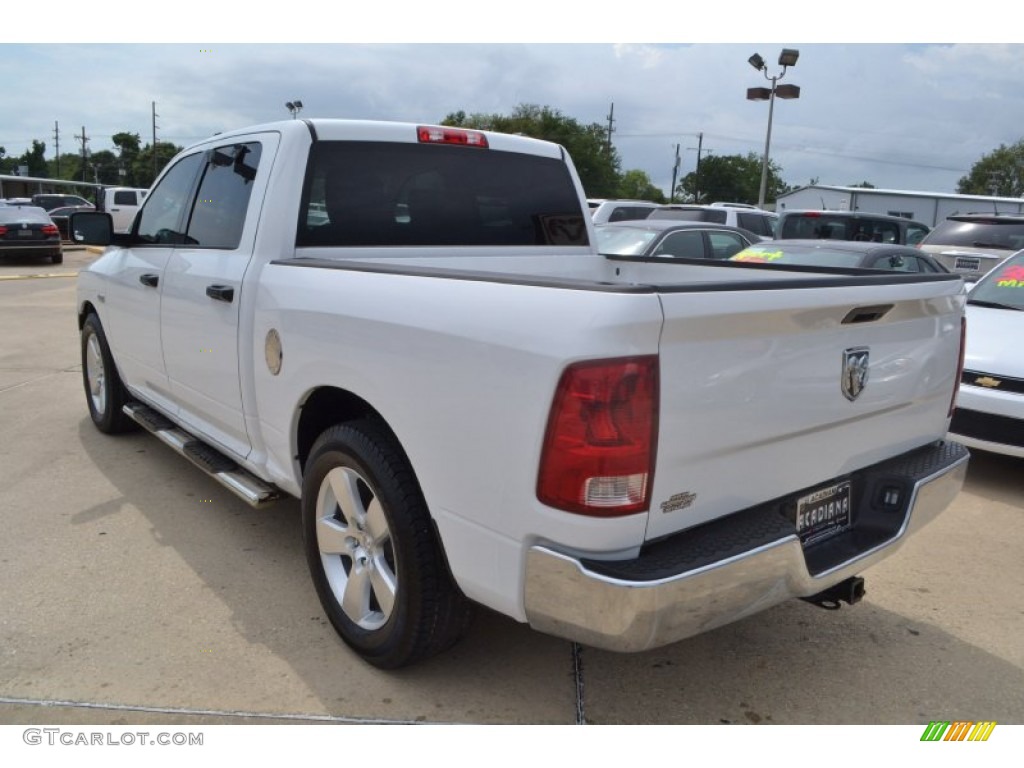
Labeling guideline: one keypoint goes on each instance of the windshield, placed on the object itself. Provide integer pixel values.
(1003, 286)
(623, 241)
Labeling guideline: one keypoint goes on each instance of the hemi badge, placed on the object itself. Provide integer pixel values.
(987, 381)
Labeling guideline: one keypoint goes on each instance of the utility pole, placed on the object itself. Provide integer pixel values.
(611, 122)
(675, 173)
(56, 144)
(696, 173)
(155, 116)
(84, 139)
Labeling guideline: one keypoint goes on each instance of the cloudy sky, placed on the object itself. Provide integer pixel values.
(909, 113)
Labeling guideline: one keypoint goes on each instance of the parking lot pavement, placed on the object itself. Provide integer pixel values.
(136, 590)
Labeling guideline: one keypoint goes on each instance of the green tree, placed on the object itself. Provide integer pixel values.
(142, 166)
(637, 185)
(34, 158)
(863, 185)
(128, 146)
(999, 173)
(596, 163)
(731, 178)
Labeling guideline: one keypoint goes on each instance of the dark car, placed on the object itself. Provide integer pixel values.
(971, 244)
(59, 216)
(666, 238)
(28, 231)
(50, 200)
(849, 225)
(841, 253)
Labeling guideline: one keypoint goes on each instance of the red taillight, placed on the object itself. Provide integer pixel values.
(50, 229)
(440, 135)
(599, 447)
(3, 231)
(959, 367)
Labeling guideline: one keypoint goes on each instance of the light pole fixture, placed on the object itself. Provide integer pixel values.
(294, 107)
(787, 59)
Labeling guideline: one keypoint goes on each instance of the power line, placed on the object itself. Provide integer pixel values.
(803, 150)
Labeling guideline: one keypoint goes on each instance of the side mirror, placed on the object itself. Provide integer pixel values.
(91, 228)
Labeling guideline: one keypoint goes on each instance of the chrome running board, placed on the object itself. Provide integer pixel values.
(225, 471)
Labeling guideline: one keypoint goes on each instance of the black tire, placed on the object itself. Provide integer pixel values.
(372, 550)
(104, 392)
(57, 258)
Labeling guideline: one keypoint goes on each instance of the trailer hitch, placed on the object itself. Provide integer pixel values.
(849, 591)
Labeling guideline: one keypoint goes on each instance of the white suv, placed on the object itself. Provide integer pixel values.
(751, 219)
(610, 211)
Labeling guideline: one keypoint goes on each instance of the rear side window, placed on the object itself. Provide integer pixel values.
(982, 233)
(629, 213)
(392, 194)
(715, 216)
(754, 222)
(125, 197)
(682, 245)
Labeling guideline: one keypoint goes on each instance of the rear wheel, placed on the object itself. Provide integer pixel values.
(104, 392)
(372, 551)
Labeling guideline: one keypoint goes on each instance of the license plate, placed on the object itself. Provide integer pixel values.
(25, 233)
(824, 513)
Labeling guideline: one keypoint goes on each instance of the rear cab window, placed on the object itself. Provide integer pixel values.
(364, 193)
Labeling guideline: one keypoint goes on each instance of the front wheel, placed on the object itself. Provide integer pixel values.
(372, 551)
(104, 392)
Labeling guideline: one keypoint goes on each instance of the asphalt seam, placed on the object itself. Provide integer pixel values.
(577, 674)
(73, 369)
(44, 703)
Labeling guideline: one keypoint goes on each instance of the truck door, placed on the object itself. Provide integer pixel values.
(131, 310)
(203, 291)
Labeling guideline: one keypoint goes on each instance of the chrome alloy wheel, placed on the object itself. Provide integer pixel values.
(355, 548)
(96, 374)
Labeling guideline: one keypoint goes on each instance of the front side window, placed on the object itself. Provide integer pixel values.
(218, 214)
(396, 194)
(162, 218)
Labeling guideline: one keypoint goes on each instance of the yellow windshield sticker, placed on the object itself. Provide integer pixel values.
(762, 256)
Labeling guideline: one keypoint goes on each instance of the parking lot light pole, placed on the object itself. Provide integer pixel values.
(787, 59)
(294, 107)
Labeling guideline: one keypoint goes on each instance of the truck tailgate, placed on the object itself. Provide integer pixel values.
(753, 400)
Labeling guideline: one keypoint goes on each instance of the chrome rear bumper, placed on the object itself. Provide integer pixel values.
(646, 603)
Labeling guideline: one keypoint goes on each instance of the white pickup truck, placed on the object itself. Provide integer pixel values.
(410, 329)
